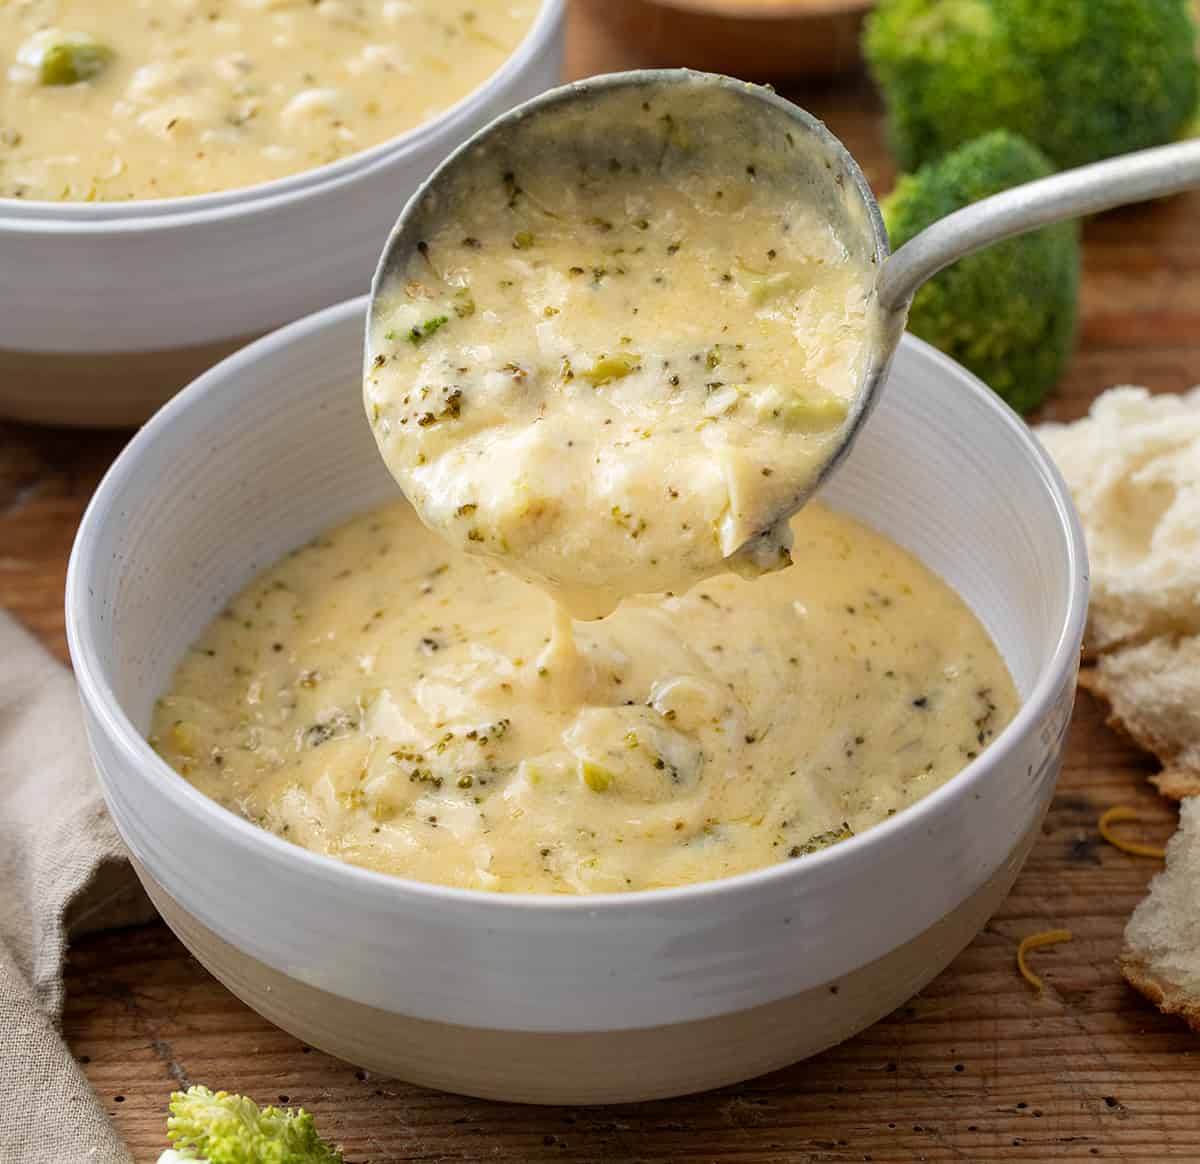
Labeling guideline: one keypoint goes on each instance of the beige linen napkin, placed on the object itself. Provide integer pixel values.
(62, 872)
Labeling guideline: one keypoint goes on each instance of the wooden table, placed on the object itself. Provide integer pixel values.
(974, 1068)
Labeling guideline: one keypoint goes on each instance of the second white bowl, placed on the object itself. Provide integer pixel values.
(107, 309)
(553, 999)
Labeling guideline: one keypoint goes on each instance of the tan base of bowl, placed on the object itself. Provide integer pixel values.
(756, 42)
(100, 390)
(592, 1068)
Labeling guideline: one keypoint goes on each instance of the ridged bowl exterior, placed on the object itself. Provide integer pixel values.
(270, 447)
(107, 309)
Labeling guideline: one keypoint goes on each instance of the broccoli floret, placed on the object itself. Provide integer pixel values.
(57, 57)
(230, 1129)
(72, 62)
(1081, 79)
(1009, 312)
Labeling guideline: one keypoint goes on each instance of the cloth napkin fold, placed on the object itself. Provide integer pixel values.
(63, 873)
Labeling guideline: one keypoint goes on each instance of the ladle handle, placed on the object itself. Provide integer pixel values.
(1071, 194)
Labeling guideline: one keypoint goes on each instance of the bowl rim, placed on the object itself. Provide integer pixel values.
(135, 751)
(19, 214)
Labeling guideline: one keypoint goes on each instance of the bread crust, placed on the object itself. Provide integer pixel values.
(1161, 954)
(1172, 782)
(1168, 997)
(1158, 717)
(1176, 783)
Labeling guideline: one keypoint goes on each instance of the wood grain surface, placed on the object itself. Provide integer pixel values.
(975, 1068)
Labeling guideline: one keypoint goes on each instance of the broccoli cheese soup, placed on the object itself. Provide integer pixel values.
(609, 355)
(616, 358)
(383, 698)
(130, 99)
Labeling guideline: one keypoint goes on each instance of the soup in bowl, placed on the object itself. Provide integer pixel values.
(609, 994)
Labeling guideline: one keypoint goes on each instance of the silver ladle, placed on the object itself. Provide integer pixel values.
(735, 119)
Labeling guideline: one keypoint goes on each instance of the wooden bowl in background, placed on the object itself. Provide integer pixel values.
(755, 39)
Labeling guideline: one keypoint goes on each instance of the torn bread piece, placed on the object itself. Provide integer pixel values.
(1161, 956)
(1133, 468)
(1153, 691)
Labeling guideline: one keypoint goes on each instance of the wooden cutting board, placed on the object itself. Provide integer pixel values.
(974, 1068)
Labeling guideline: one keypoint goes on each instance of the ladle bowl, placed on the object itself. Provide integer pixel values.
(799, 150)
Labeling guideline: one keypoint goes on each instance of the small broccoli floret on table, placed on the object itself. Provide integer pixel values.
(219, 1128)
(1081, 79)
(1007, 313)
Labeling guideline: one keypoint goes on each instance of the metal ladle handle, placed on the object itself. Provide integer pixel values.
(1072, 194)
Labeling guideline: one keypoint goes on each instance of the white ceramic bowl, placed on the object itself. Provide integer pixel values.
(107, 309)
(560, 999)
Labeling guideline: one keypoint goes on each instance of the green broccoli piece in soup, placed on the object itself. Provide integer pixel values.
(1080, 79)
(73, 59)
(219, 1128)
(1009, 312)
